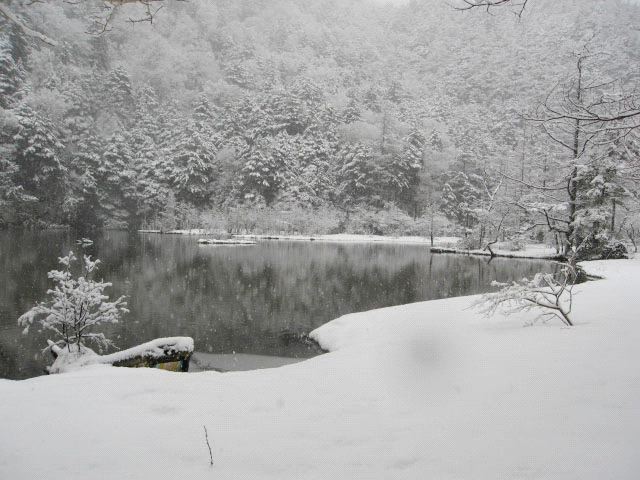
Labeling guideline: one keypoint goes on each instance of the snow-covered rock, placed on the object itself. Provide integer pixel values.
(160, 349)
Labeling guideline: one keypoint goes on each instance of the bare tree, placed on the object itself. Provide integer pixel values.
(584, 115)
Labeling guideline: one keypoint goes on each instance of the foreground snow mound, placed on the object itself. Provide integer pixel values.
(424, 391)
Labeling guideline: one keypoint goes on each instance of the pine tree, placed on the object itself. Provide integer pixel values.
(262, 174)
(117, 182)
(82, 108)
(193, 166)
(460, 195)
(11, 73)
(600, 191)
(404, 170)
(13, 199)
(38, 158)
(82, 202)
(315, 153)
(119, 94)
(355, 179)
(352, 112)
(286, 113)
(238, 74)
(203, 111)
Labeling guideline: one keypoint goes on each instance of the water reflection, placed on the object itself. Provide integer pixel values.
(232, 299)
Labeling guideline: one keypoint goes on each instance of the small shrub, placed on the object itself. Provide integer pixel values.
(75, 306)
(614, 249)
(467, 243)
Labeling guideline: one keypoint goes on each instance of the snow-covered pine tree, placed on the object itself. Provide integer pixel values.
(404, 169)
(262, 174)
(459, 198)
(38, 156)
(82, 202)
(117, 182)
(238, 74)
(287, 112)
(11, 72)
(351, 112)
(599, 192)
(193, 163)
(315, 156)
(355, 180)
(82, 109)
(118, 96)
(203, 112)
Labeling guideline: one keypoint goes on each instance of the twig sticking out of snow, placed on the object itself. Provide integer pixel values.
(206, 437)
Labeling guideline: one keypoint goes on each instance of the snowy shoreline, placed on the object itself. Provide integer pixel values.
(529, 252)
(441, 245)
(425, 390)
(336, 238)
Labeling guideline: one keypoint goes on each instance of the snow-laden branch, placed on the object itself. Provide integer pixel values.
(13, 18)
(550, 294)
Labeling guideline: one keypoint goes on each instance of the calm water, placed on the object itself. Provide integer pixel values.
(232, 299)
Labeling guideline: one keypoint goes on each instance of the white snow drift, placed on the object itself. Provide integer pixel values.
(423, 391)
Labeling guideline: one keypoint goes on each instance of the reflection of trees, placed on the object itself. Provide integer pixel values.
(24, 262)
(241, 299)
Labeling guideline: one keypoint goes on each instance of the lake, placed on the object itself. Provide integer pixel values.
(232, 299)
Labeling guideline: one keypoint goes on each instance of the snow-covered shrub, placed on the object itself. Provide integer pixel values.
(386, 221)
(614, 249)
(75, 305)
(467, 242)
(551, 295)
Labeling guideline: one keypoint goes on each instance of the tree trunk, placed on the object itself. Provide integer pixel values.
(613, 215)
(572, 186)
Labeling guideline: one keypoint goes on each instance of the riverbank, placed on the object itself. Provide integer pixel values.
(335, 238)
(426, 390)
(529, 251)
(438, 244)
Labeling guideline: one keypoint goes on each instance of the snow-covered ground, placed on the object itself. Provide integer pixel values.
(423, 391)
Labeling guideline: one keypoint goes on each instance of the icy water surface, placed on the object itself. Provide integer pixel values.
(231, 298)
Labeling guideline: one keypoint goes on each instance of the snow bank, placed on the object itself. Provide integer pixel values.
(422, 391)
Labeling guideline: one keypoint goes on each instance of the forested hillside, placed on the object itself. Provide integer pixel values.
(325, 114)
